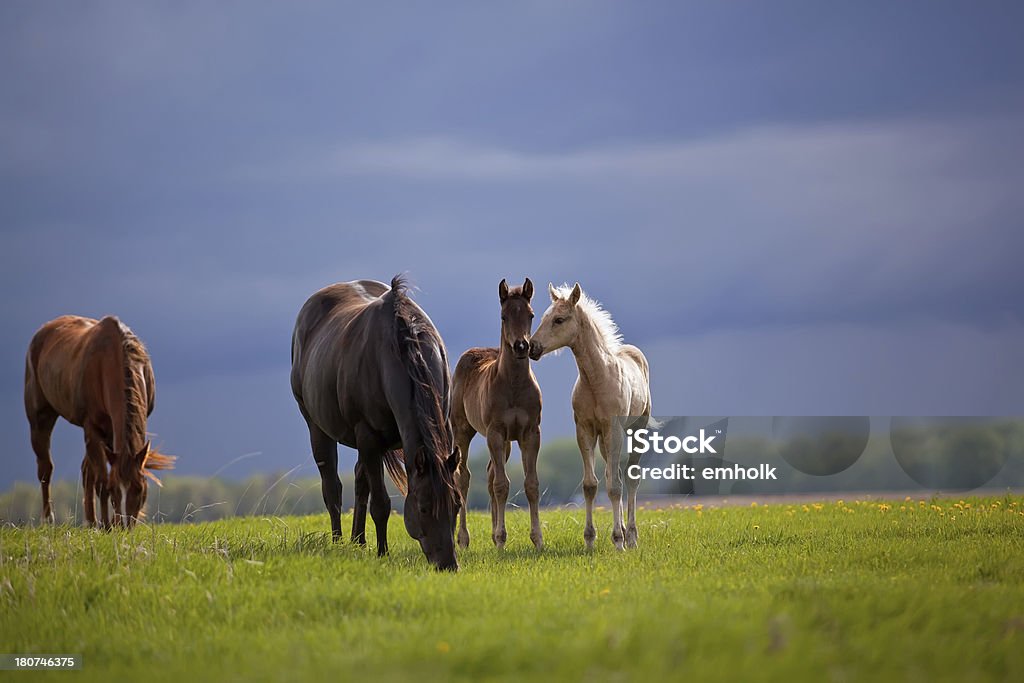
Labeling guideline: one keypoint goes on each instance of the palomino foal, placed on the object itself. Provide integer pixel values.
(495, 393)
(614, 381)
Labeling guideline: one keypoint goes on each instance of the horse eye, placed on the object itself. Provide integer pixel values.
(504, 319)
(559, 321)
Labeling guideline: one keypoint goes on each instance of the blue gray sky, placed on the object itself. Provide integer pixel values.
(792, 207)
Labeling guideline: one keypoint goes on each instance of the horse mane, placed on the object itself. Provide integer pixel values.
(602, 319)
(133, 352)
(136, 405)
(412, 332)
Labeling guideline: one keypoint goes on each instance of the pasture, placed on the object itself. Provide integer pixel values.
(852, 590)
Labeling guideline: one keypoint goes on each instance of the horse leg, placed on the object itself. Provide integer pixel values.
(380, 501)
(96, 463)
(462, 478)
(362, 496)
(88, 493)
(585, 439)
(325, 453)
(41, 424)
(530, 447)
(107, 492)
(490, 492)
(632, 484)
(497, 446)
(610, 450)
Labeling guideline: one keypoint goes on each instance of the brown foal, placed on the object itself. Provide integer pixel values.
(495, 393)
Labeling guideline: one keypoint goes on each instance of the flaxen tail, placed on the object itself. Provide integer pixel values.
(157, 461)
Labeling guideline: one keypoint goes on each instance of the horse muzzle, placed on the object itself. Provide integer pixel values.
(536, 350)
(447, 566)
(521, 348)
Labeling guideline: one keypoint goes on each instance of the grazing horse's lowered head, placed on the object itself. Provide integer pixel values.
(516, 317)
(130, 476)
(432, 508)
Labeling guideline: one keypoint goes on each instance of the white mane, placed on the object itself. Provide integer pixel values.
(602, 319)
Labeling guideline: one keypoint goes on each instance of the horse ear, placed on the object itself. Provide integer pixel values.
(452, 463)
(528, 289)
(552, 292)
(502, 290)
(574, 297)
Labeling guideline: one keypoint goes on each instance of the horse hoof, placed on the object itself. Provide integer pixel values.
(463, 541)
(538, 541)
(631, 537)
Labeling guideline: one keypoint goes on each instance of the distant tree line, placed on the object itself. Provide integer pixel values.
(194, 499)
(957, 458)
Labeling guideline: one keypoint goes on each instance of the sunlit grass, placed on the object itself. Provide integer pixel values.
(844, 590)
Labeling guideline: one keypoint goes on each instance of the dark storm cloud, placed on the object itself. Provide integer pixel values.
(716, 175)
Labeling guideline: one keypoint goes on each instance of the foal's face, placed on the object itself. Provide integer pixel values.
(516, 317)
(559, 325)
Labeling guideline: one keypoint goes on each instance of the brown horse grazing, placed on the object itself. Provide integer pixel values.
(369, 370)
(496, 394)
(96, 375)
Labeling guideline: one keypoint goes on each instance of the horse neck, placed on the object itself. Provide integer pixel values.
(510, 368)
(413, 415)
(594, 359)
(125, 402)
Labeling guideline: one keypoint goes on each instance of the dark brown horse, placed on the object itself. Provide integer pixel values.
(96, 375)
(369, 370)
(496, 394)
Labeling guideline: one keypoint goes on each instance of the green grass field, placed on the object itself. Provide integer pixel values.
(904, 590)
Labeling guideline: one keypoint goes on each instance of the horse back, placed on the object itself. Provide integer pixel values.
(638, 357)
(332, 307)
(472, 365)
(55, 365)
(335, 337)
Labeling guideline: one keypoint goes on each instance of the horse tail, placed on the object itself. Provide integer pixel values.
(394, 463)
(157, 461)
